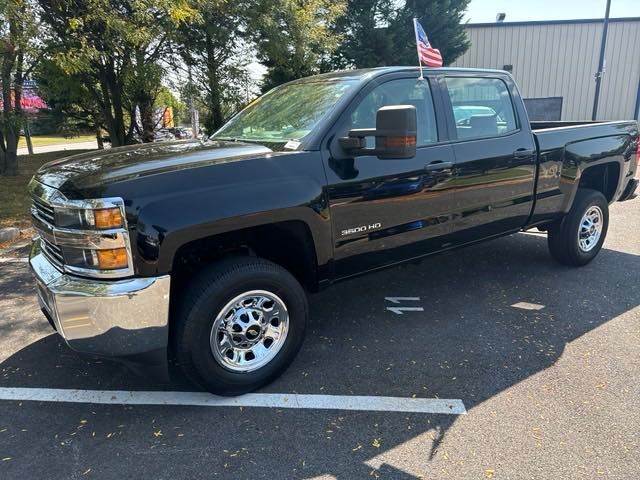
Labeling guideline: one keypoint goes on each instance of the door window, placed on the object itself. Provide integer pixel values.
(482, 107)
(407, 91)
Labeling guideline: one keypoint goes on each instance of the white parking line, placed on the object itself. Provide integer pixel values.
(270, 400)
(528, 306)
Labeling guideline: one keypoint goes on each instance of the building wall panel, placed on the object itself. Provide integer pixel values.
(560, 59)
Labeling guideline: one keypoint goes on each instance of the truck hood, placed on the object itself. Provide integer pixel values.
(102, 167)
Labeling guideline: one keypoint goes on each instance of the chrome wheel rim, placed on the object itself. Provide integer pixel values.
(249, 331)
(590, 229)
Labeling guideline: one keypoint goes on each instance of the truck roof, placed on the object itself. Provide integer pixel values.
(368, 73)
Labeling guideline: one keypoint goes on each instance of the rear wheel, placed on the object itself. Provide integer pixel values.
(578, 238)
(240, 325)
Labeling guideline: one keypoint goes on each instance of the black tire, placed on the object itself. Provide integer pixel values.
(204, 299)
(563, 237)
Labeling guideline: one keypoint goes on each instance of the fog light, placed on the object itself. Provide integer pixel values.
(108, 218)
(114, 258)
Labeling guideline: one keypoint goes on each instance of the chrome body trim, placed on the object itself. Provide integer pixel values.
(91, 239)
(119, 318)
(55, 198)
(46, 199)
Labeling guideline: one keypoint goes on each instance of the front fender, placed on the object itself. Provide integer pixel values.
(168, 222)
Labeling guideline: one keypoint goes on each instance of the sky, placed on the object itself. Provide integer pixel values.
(481, 11)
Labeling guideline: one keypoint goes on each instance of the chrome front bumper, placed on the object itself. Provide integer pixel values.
(115, 318)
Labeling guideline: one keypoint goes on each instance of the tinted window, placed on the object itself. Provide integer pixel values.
(407, 91)
(482, 107)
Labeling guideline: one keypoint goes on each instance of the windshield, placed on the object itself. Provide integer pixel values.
(285, 113)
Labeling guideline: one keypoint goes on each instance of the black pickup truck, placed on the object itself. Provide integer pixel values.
(203, 251)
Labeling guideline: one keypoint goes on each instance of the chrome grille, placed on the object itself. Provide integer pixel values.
(52, 252)
(44, 211)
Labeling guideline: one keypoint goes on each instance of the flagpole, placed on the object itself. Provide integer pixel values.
(415, 34)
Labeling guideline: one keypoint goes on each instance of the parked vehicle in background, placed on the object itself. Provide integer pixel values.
(163, 135)
(204, 251)
(179, 132)
(160, 135)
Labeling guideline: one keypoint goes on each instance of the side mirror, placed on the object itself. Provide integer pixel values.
(395, 133)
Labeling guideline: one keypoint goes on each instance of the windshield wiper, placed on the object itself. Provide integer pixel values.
(246, 140)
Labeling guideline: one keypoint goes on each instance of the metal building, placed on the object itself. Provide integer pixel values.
(555, 63)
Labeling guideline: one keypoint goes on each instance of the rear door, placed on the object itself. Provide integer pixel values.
(495, 156)
(386, 211)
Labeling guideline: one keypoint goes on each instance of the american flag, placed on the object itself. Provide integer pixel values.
(426, 53)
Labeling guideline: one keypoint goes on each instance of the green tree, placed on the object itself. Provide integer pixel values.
(115, 46)
(295, 38)
(380, 32)
(215, 49)
(17, 33)
(367, 40)
(442, 21)
(71, 103)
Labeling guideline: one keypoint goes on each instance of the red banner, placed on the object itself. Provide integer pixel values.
(29, 101)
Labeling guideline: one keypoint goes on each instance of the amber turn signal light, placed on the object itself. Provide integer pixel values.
(405, 142)
(113, 258)
(108, 218)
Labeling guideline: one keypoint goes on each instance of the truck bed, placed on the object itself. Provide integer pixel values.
(567, 149)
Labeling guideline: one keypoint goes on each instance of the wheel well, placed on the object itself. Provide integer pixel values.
(603, 178)
(289, 244)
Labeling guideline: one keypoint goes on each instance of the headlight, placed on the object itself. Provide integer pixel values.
(99, 260)
(81, 218)
(83, 237)
(93, 238)
(105, 218)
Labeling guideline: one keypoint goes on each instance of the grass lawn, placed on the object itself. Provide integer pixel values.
(41, 141)
(14, 199)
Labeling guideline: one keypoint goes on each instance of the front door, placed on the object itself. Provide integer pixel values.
(386, 211)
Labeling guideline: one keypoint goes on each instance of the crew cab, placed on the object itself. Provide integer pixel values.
(204, 251)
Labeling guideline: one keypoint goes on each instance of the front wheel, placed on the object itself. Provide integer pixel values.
(578, 238)
(240, 325)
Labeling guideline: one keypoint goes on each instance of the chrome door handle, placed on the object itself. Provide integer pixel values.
(437, 166)
(523, 153)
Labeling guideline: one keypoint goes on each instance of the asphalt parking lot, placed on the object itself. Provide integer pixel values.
(545, 359)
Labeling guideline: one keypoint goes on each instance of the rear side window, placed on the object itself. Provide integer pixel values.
(482, 107)
(406, 91)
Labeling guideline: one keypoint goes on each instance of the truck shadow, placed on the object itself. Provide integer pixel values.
(469, 343)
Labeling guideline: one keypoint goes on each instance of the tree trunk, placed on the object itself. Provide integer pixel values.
(118, 111)
(11, 156)
(27, 137)
(99, 139)
(214, 85)
(10, 124)
(3, 155)
(107, 113)
(112, 111)
(146, 117)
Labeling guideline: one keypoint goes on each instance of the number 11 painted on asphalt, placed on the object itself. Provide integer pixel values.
(401, 310)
